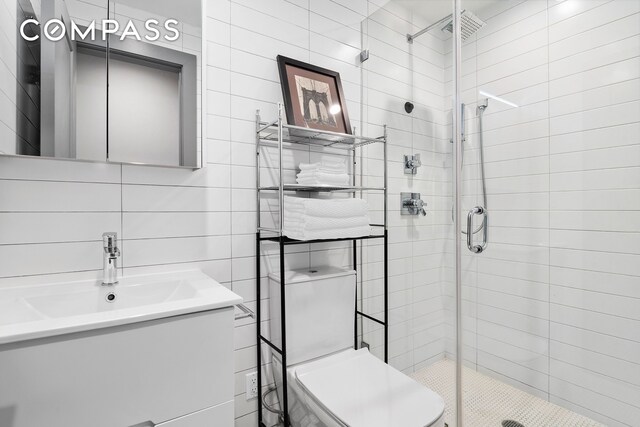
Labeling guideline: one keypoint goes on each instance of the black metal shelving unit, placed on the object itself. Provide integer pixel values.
(277, 134)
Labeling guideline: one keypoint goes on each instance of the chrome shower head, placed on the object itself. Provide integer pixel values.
(469, 24)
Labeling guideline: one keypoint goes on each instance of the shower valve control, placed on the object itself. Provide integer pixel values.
(411, 164)
(412, 204)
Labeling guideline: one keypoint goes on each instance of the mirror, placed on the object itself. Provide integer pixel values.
(101, 80)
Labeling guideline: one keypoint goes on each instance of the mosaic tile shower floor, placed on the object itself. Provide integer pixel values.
(488, 402)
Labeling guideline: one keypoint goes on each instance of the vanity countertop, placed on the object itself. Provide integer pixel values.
(56, 308)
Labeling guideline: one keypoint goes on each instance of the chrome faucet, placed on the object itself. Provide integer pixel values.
(411, 164)
(110, 258)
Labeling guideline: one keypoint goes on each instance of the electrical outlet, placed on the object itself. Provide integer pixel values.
(251, 390)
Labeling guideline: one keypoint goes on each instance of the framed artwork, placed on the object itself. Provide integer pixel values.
(313, 96)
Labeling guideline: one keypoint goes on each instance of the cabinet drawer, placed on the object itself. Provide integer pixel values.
(126, 375)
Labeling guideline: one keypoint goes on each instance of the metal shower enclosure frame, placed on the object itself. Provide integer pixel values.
(463, 25)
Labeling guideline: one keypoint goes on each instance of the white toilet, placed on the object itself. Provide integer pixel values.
(330, 383)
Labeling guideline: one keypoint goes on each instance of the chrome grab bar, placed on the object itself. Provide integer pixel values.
(246, 312)
(478, 210)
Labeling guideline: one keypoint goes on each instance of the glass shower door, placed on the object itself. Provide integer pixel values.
(405, 86)
(550, 92)
(539, 298)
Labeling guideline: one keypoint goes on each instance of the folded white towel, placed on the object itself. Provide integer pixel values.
(338, 233)
(317, 219)
(322, 178)
(311, 223)
(327, 208)
(326, 172)
(320, 184)
(321, 174)
(324, 166)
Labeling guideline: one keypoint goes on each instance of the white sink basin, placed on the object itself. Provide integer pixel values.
(28, 312)
(127, 294)
(16, 310)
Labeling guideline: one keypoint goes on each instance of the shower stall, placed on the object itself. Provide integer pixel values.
(517, 296)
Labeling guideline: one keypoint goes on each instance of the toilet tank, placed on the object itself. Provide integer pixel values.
(320, 312)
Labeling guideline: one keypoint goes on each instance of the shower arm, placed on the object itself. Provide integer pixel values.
(411, 37)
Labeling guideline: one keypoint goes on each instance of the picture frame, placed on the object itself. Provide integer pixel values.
(313, 96)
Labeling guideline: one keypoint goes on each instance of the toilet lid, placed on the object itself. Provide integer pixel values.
(362, 391)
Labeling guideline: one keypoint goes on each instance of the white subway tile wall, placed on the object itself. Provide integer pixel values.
(52, 213)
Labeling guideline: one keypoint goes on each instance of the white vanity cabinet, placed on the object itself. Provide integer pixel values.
(172, 371)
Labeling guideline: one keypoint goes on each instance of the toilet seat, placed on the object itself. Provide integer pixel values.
(358, 390)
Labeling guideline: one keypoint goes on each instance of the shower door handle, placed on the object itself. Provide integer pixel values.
(476, 249)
